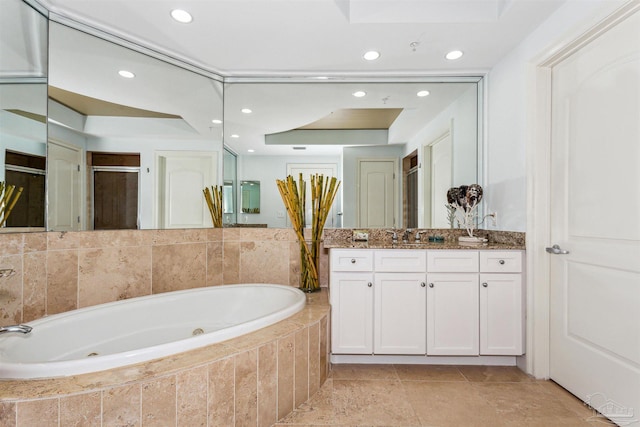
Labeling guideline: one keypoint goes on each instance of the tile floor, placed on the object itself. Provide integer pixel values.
(426, 395)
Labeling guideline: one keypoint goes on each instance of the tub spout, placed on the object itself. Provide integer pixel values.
(15, 328)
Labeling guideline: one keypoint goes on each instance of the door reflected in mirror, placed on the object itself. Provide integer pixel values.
(250, 197)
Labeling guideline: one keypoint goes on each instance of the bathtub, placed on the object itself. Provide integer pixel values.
(140, 329)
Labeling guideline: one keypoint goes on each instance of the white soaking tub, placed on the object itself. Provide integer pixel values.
(140, 329)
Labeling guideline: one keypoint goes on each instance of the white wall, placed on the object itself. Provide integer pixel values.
(510, 85)
(461, 117)
(267, 169)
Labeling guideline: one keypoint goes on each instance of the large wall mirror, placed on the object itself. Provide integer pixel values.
(135, 150)
(133, 140)
(23, 109)
(397, 145)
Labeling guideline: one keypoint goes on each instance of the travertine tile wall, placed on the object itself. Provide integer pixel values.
(57, 272)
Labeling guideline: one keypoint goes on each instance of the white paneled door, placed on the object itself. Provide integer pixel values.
(64, 187)
(376, 193)
(595, 222)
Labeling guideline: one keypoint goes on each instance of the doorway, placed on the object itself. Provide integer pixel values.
(590, 282)
(26, 171)
(115, 190)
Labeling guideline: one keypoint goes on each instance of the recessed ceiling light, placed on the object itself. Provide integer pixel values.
(126, 74)
(359, 94)
(454, 54)
(250, 150)
(423, 93)
(371, 55)
(235, 135)
(321, 78)
(181, 16)
(246, 110)
(216, 121)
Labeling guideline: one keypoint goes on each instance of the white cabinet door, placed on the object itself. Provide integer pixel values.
(400, 313)
(351, 300)
(501, 319)
(452, 314)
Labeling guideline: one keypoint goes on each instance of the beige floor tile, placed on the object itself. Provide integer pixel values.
(428, 373)
(318, 409)
(363, 372)
(372, 402)
(439, 396)
(527, 404)
(571, 402)
(450, 404)
(494, 374)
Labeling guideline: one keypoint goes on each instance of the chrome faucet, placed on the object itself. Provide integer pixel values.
(405, 236)
(15, 328)
(394, 236)
(418, 237)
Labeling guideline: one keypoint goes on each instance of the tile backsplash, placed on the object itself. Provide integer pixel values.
(56, 272)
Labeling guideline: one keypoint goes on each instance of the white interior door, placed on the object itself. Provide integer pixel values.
(376, 193)
(438, 179)
(595, 216)
(181, 178)
(64, 187)
(308, 169)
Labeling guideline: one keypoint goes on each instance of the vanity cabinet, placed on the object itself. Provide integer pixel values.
(433, 302)
(399, 302)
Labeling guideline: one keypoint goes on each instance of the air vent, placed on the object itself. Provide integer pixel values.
(299, 148)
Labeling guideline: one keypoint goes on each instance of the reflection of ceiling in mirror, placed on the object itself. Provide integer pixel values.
(356, 118)
(87, 65)
(282, 107)
(23, 41)
(29, 115)
(89, 106)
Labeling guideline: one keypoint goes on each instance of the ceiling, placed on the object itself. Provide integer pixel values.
(306, 37)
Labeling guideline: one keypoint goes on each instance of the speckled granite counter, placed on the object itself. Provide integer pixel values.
(381, 239)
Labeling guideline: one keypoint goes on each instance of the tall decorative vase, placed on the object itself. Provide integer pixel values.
(323, 192)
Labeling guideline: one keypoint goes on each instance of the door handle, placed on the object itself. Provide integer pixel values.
(556, 250)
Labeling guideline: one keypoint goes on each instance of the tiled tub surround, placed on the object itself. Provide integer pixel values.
(252, 380)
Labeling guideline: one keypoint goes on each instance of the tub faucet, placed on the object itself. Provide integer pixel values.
(15, 328)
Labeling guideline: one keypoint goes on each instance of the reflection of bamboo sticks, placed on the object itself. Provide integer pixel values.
(214, 201)
(7, 200)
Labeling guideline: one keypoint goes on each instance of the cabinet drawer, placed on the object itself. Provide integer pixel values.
(400, 260)
(351, 260)
(461, 261)
(500, 261)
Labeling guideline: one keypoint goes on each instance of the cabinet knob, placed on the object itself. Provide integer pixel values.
(353, 261)
(423, 284)
(501, 262)
(369, 284)
(485, 284)
(431, 285)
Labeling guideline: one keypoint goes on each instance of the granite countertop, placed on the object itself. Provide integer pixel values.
(381, 239)
(422, 245)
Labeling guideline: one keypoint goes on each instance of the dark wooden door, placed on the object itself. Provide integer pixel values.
(115, 200)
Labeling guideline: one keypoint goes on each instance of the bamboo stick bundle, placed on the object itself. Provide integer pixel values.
(7, 200)
(214, 201)
(323, 193)
(294, 199)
